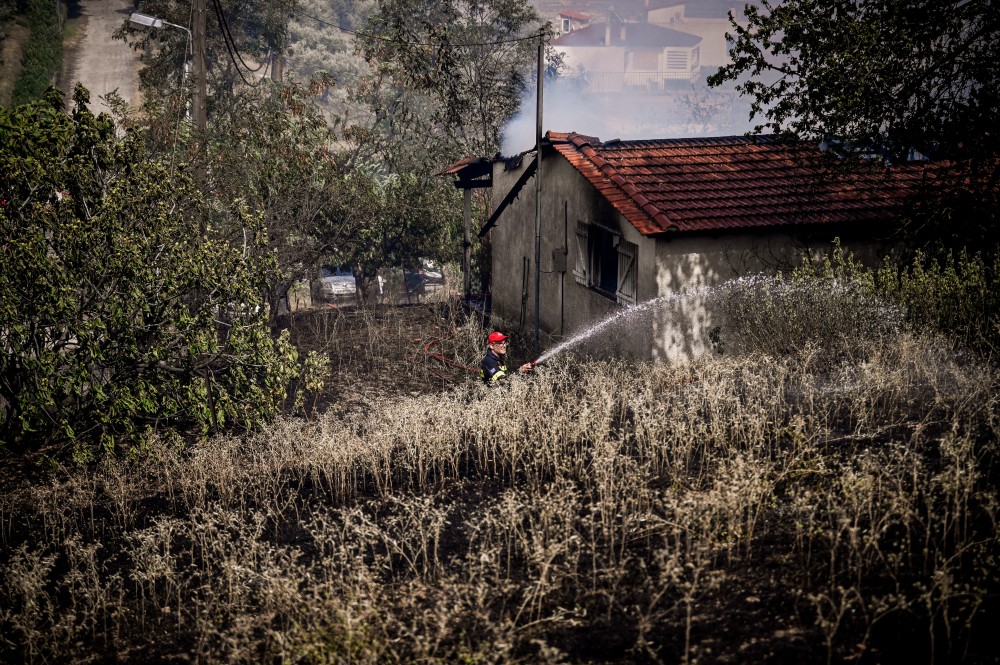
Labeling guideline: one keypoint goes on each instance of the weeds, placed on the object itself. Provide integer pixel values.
(811, 509)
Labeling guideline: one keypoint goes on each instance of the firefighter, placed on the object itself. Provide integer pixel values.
(494, 369)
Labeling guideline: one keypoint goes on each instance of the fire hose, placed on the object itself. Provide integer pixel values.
(425, 347)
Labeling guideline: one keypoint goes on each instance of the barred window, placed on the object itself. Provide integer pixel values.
(677, 60)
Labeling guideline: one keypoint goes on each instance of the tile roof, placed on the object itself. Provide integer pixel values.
(637, 35)
(460, 165)
(683, 185)
(576, 16)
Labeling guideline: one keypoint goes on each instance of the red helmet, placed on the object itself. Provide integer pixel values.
(496, 337)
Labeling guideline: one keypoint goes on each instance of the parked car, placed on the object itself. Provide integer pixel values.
(336, 282)
(428, 274)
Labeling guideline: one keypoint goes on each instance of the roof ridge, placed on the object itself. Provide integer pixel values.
(583, 145)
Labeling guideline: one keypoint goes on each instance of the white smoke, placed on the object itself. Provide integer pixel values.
(695, 111)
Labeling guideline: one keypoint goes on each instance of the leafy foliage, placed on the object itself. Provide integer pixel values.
(406, 215)
(287, 167)
(836, 305)
(895, 74)
(955, 294)
(455, 69)
(257, 31)
(124, 309)
(317, 49)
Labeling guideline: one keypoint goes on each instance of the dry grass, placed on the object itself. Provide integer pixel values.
(738, 509)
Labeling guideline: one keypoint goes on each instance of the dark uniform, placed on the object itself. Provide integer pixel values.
(493, 370)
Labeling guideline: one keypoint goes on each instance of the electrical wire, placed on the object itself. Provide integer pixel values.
(231, 47)
(224, 25)
(406, 43)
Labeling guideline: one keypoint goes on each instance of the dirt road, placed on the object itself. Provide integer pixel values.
(99, 62)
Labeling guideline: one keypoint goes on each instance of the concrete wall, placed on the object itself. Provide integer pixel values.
(714, 48)
(686, 324)
(566, 306)
(594, 58)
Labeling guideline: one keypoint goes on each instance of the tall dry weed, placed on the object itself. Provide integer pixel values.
(805, 508)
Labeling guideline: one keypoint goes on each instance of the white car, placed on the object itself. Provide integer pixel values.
(336, 283)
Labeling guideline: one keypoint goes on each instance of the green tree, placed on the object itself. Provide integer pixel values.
(891, 76)
(401, 217)
(896, 74)
(244, 40)
(286, 166)
(124, 308)
(321, 44)
(449, 75)
(445, 78)
(42, 55)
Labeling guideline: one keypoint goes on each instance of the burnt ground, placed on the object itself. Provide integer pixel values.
(754, 617)
(395, 350)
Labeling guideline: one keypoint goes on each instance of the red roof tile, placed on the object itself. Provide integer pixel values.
(459, 165)
(732, 183)
(576, 16)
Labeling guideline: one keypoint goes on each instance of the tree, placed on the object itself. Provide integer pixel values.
(452, 72)
(244, 40)
(321, 44)
(286, 166)
(890, 77)
(445, 79)
(42, 57)
(124, 309)
(402, 217)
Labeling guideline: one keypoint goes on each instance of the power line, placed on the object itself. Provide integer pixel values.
(234, 53)
(224, 25)
(406, 43)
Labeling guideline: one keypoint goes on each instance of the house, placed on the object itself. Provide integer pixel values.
(624, 222)
(570, 21)
(617, 55)
(707, 19)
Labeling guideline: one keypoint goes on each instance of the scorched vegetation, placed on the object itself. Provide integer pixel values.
(808, 506)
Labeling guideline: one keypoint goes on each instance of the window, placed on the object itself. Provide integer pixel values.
(606, 263)
(565, 26)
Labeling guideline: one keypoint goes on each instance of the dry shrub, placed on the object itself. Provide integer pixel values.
(778, 316)
(596, 511)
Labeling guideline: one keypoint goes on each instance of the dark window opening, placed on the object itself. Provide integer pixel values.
(605, 260)
(606, 263)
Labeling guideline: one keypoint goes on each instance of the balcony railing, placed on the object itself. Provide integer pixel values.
(634, 81)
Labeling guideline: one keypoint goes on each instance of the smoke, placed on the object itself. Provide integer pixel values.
(684, 112)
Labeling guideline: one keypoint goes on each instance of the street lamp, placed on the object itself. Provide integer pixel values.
(153, 22)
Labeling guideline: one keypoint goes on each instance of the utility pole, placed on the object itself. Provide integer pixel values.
(538, 189)
(200, 79)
